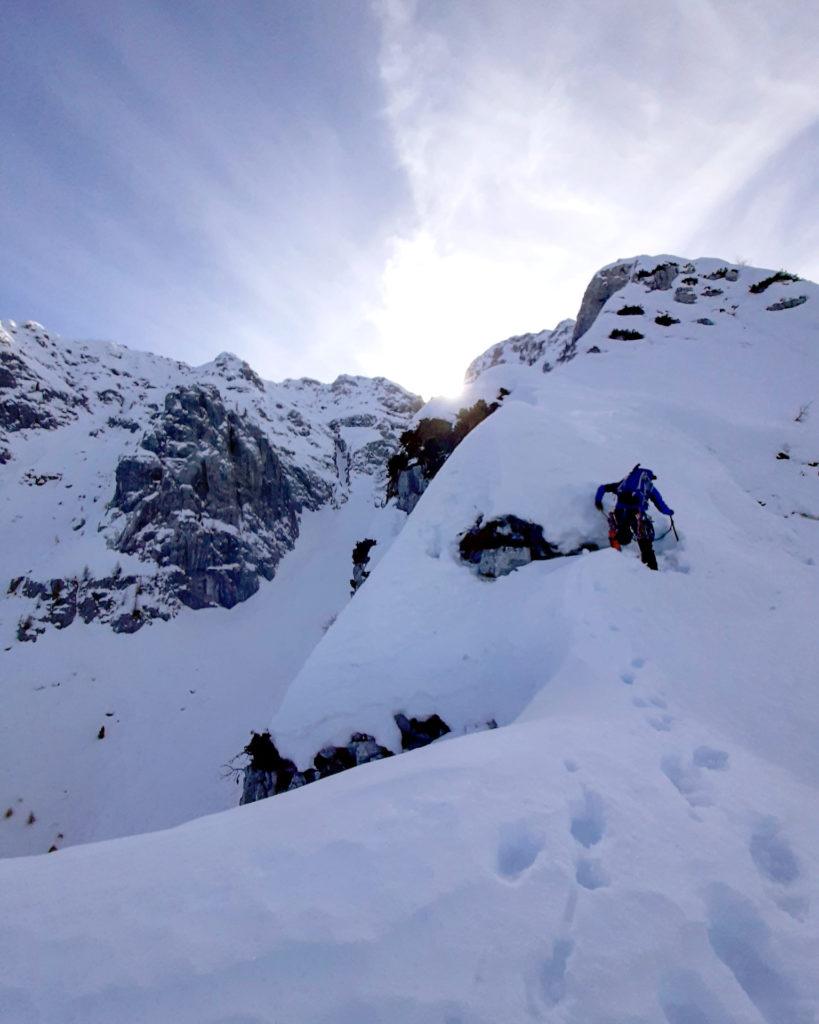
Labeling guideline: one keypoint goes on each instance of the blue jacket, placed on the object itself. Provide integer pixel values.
(633, 501)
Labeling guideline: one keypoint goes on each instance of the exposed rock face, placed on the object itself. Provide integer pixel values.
(425, 448)
(497, 547)
(724, 274)
(215, 466)
(123, 602)
(686, 295)
(210, 496)
(601, 288)
(545, 348)
(502, 545)
(28, 400)
(267, 773)
(411, 484)
(612, 279)
(418, 732)
(797, 300)
(659, 278)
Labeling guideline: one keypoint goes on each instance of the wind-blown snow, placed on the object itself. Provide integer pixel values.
(636, 843)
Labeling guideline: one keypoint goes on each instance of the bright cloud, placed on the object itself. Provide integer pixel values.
(389, 189)
(544, 140)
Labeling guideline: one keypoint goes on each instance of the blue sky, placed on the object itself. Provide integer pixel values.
(326, 186)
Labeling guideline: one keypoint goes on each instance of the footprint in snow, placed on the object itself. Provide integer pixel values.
(741, 939)
(685, 999)
(518, 850)
(553, 972)
(772, 854)
(689, 776)
(708, 757)
(591, 874)
(653, 701)
(688, 780)
(588, 821)
(628, 677)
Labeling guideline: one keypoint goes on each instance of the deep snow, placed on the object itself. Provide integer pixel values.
(636, 843)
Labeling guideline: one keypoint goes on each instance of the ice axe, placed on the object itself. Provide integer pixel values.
(613, 541)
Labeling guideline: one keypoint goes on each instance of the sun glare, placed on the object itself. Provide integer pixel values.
(440, 310)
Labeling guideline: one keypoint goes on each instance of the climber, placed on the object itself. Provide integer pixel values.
(630, 516)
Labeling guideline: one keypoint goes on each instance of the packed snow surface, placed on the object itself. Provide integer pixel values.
(638, 841)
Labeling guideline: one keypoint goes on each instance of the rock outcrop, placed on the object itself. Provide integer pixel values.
(796, 300)
(361, 559)
(207, 494)
(608, 281)
(266, 773)
(501, 545)
(600, 289)
(660, 277)
(209, 468)
(686, 295)
(30, 399)
(125, 602)
(546, 349)
(426, 447)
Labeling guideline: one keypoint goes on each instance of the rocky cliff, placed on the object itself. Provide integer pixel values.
(167, 485)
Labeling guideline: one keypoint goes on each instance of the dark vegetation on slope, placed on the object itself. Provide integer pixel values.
(659, 278)
(426, 447)
(361, 559)
(625, 335)
(780, 277)
(664, 320)
(266, 773)
(631, 311)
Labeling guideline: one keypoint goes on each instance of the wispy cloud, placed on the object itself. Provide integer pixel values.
(542, 140)
(390, 188)
(195, 180)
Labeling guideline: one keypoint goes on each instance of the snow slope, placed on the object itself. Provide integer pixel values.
(636, 843)
(708, 408)
(176, 699)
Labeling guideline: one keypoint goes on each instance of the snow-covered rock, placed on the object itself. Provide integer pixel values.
(133, 489)
(545, 349)
(200, 474)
